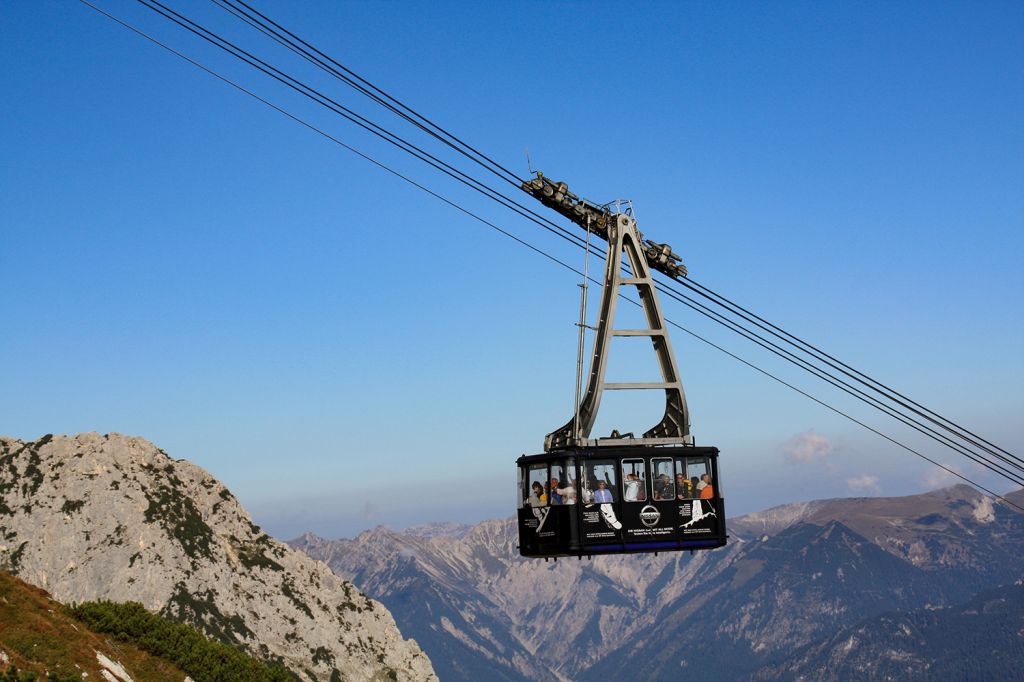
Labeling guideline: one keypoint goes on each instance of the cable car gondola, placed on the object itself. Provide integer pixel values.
(620, 494)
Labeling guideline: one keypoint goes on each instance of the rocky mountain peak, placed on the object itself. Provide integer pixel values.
(113, 517)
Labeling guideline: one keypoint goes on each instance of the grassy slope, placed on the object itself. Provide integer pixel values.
(38, 636)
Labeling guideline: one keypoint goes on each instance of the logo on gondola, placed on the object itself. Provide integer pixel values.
(541, 513)
(698, 514)
(650, 515)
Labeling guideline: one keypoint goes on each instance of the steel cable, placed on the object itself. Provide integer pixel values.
(540, 251)
(272, 29)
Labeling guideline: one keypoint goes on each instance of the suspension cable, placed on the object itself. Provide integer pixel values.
(853, 373)
(366, 124)
(272, 29)
(390, 137)
(535, 249)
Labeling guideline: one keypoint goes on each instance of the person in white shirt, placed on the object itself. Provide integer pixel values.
(632, 489)
(568, 493)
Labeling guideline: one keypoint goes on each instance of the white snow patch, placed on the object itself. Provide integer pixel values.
(4, 658)
(114, 672)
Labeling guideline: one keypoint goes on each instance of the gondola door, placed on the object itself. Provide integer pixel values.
(547, 492)
(648, 503)
(600, 508)
(701, 509)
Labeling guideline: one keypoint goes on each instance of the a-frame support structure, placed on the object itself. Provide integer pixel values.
(625, 239)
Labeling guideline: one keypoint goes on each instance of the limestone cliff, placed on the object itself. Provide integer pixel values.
(113, 517)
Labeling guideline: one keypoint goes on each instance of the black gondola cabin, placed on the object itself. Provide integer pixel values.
(586, 501)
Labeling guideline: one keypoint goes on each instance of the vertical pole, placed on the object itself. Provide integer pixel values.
(576, 435)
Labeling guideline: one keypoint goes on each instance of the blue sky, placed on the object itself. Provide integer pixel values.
(184, 264)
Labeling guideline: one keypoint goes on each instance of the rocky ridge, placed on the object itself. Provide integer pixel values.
(91, 517)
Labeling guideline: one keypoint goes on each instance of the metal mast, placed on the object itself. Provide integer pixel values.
(625, 245)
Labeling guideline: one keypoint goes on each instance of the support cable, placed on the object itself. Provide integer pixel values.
(272, 29)
(275, 31)
(361, 121)
(304, 89)
(861, 377)
(538, 250)
(1012, 475)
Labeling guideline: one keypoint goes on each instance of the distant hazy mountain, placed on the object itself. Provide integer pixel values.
(791, 578)
(113, 517)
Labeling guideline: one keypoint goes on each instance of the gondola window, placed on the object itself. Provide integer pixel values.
(601, 481)
(536, 494)
(563, 484)
(634, 480)
(663, 479)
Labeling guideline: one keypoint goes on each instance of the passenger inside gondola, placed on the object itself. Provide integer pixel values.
(538, 498)
(566, 494)
(600, 476)
(683, 488)
(588, 490)
(554, 496)
(707, 491)
(662, 471)
(663, 488)
(634, 487)
(631, 488)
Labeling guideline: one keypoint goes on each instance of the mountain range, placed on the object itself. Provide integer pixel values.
(799, 589)
(919, 587)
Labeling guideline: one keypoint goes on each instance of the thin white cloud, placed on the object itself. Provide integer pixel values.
(864, 484)
(940, 478)
(808, 448)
